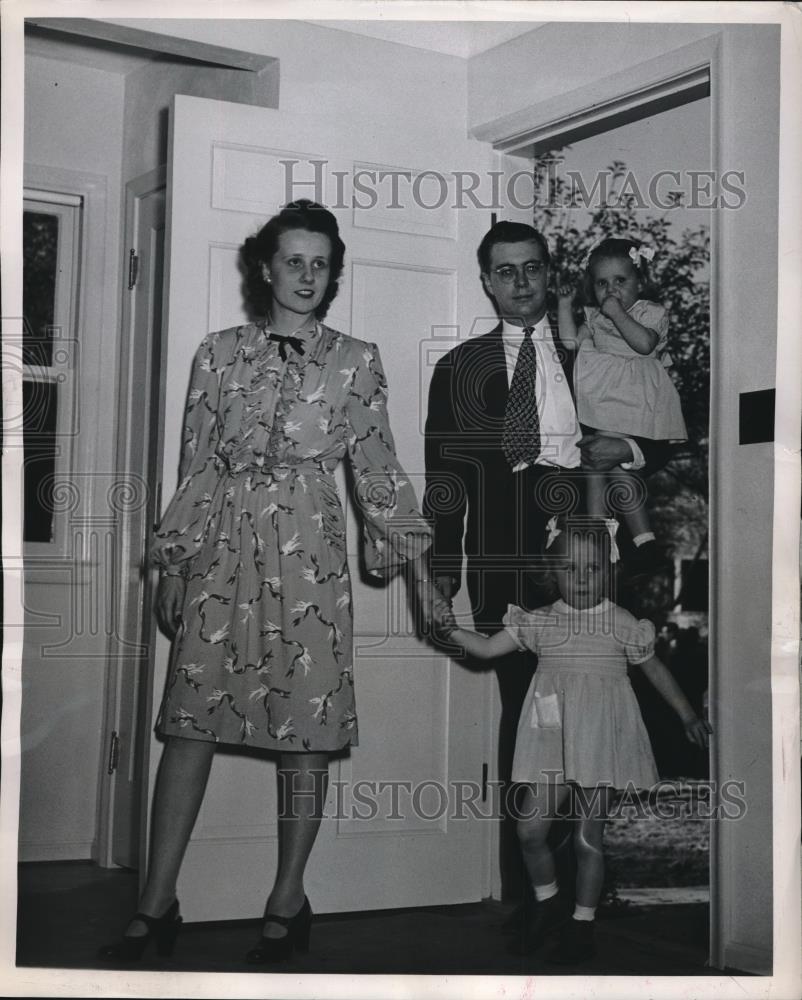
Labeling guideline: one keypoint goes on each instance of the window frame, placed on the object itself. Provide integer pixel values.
(63, 368)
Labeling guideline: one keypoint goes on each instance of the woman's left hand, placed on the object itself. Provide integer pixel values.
(430, 601)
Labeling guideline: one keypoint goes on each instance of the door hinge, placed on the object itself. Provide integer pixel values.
(133, 268)
(114, 752)
(484, 782)
(157, 512)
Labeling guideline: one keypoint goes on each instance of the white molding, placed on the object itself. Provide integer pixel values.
(78, 850)
(156, 42)
(742, 957)
(675, 76)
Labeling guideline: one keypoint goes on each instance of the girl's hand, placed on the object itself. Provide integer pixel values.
(445, 622)
(170, 602)
(611, 307)
(565, 294)
(698, 731)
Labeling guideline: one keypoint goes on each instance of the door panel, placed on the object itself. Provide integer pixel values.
(421, 717)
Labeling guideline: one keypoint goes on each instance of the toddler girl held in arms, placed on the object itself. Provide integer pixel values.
(620, 379)
(580, 732)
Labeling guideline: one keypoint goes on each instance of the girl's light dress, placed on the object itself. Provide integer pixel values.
(622, 391)
(264, 656)
(580, 720)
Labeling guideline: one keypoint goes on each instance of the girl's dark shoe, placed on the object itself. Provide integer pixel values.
(547, 917)
(515, 922)
(162, 930)
(277, 949)
(576, 943)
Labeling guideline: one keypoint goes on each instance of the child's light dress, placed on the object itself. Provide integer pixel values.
(580, 720)
(622, 391)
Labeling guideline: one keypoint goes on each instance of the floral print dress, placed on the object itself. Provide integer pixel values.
(264, 653)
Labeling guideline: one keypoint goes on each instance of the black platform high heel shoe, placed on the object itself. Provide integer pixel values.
(162, 930)
(277, 949)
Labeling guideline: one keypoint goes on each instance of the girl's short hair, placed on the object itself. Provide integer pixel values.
(259, 249)
(560, 532)
(618, 248)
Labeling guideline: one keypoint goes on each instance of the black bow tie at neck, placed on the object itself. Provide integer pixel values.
(295, 343)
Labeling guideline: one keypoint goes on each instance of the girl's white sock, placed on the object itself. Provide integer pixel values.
(546, 891)
(646, 536)
(584, 912)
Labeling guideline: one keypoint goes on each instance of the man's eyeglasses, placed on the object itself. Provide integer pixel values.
(507, 273)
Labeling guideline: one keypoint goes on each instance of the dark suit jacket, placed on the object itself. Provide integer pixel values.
(467, 473)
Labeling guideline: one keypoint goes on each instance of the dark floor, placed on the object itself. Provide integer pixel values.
(67, 909)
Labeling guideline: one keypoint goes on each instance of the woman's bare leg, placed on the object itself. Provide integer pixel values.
(303, 783)
(180, 787)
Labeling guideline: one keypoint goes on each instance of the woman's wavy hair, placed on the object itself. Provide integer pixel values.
(617, 248)
(259, 249)
(559, 533)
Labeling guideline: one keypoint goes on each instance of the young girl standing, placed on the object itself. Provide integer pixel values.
(580, 731)
(620, 378)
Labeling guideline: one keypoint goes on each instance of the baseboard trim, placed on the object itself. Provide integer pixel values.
(81, 850)
(742, 957)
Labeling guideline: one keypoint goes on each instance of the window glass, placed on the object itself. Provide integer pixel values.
(39, 274)
(39, 422)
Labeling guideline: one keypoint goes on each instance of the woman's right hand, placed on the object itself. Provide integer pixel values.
(170, 602)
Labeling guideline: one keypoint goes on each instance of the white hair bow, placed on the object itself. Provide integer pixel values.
(612, 526)
(636, 253)
(553, 531)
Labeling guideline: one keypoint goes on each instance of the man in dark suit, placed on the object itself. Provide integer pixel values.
(502, 437)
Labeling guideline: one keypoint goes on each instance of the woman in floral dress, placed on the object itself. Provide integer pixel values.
(254, 579)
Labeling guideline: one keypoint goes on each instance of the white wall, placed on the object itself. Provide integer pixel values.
(555, 60)
(366, 83)
(73, 128)
(149, 90)
(560, 57)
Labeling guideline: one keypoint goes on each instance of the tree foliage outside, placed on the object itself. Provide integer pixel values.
(678, 494)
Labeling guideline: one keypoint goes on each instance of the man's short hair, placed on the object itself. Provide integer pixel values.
(509, 232)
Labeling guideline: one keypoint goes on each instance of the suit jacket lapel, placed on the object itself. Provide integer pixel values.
(497, 386)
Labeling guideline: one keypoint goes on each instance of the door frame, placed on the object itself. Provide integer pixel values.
(656, 85)
(126, 594)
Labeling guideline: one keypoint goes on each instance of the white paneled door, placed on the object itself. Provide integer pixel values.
(393, 835)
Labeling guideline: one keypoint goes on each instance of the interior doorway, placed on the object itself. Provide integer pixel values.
(139, 442)
(638, 180)
(637, 174)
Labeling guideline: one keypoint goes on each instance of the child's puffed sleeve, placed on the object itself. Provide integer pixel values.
(639, 640)
(394, 530)
(179, 535)
(519, 625)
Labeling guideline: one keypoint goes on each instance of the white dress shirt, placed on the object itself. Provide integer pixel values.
(559, 426)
